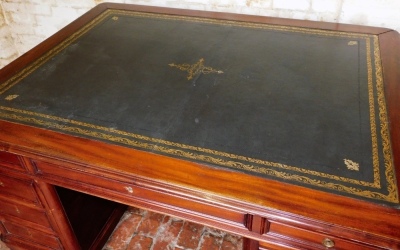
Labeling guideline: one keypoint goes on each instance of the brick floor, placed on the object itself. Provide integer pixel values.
(145, 230)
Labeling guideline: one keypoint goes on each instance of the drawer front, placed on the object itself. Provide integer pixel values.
(26, 213)
(306, 239)
(11, 161)
(44, 168)
(19, 188)
(31, 235)
(136, 191)
(17, 243)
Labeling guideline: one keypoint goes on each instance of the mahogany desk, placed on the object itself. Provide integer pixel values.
(285, 132)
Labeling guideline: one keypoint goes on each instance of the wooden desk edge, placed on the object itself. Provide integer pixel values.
(249, 191)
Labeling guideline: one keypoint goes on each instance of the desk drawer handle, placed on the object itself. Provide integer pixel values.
(328, 243)
(1, 184)
(129, 189)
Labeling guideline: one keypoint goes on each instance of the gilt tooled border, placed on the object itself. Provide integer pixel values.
(391, 197)
(389, 171)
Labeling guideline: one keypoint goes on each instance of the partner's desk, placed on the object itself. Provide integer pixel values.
(283, 131)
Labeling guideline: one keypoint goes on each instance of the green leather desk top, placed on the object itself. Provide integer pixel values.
(298, 105)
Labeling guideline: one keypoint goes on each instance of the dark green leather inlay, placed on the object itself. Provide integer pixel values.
(293, 104)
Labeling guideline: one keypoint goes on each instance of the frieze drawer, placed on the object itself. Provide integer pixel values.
(313, 239)
(128, 188)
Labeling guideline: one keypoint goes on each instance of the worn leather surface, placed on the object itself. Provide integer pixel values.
(291, 104)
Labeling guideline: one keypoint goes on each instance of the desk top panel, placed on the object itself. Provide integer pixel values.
(298, 105)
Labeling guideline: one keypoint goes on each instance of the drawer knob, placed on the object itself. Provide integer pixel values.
(328, 243)
(129, 189)
(1, 184)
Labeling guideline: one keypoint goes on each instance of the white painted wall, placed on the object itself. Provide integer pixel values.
(25, 23)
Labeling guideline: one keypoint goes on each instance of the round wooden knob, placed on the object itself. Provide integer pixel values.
(328, 243)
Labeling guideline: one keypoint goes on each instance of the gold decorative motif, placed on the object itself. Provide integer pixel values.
(352, 43)
(115, 18)
(387, 151)
(195, 69)
(351, 165)
(372, 119)
(11, 97)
